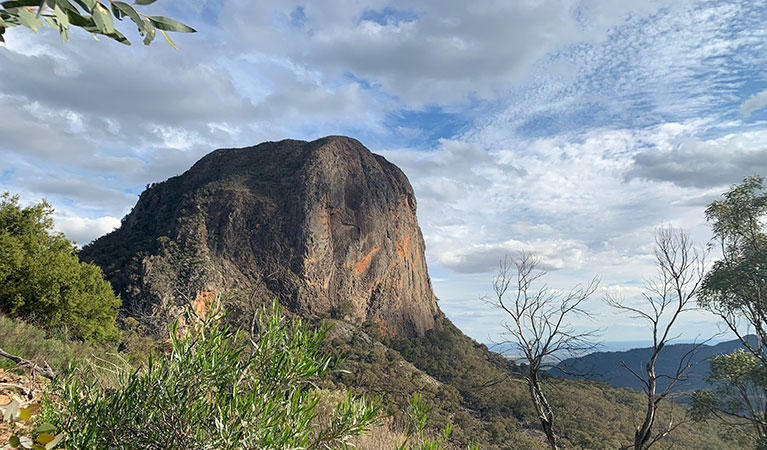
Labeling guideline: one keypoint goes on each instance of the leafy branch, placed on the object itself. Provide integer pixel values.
(90, 15)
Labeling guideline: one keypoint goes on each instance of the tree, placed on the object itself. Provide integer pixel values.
(539, 330)
(680, 273)
(738, 399)
(90, 15)
(736, 290)
(42, 279)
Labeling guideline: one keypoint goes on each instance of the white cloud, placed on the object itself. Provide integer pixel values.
(754, 103)
(83, 230)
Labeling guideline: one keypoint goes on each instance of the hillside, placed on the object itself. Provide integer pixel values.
(608, 366)
(329, 229)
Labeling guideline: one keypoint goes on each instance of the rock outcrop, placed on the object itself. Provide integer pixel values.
(326, 226)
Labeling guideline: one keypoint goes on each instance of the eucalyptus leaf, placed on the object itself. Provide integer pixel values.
(144, 2)
(103, 19)
(168, 39)
(150, 32)
(128, 10)
(119, 37)
(63, 20)
(164, 23)
(28, 19)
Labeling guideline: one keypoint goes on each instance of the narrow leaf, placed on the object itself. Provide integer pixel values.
(168, 39)
(164, 23)
(144, 2)
(150, 32)
(128, 10)
(63, 19)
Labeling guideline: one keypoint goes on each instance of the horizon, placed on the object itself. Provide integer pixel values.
(571, 129)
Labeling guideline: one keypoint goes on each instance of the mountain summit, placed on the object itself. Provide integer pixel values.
(326, 226)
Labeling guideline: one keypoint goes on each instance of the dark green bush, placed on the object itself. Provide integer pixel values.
(42, 279)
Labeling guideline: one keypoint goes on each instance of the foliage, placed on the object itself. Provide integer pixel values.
(416, 437)
(90, 15)
(736, 289)
(216, 389)
(736, 286)
(738, 396)
(40, 437)
(42, 279)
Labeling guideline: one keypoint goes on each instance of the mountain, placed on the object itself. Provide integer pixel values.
(330, 229)
(609, 366)
(326, 226)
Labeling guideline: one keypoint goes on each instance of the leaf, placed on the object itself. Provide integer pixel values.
(51, 21)
(116, 12)
(45, 438)
(63, 19)
(55, 441)
(26, 442)
(168, 39)
(78, 20)
(46, 428)
(128, 10)
(10, 410)
(24, 414)
(14, 442)
(150, 32)
(144, 2)
(164, 23)
(87, 5)
(40, 7)
(119, 37)
(103, 19)
(28, 19)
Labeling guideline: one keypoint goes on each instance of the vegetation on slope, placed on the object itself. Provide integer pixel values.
(42, 279)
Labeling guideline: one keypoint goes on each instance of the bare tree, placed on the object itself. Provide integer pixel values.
(671, 293)
(539, 329)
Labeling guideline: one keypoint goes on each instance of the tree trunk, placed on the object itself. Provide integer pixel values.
(545, 414)
(642, 434)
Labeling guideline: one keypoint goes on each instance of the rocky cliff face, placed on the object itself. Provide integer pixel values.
(326, 226)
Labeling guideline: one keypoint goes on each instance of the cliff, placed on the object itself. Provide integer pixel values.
(326, 226)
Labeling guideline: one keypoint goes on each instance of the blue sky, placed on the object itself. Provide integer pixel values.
(569, 128)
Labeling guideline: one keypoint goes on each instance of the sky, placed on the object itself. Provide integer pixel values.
(571, 129)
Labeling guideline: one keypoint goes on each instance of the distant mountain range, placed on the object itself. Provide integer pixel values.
(609, 366)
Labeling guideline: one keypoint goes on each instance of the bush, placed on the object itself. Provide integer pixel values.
(215, 389)
(42, 279)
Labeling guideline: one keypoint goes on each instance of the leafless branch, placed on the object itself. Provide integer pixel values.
(44, 370)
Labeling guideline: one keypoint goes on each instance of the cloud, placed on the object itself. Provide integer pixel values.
(83, 230)
(484, 258)
(435, 52)
(693, 162)
(754, 103)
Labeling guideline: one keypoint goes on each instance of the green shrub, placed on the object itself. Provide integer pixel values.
(216, 389)
(42, 279)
